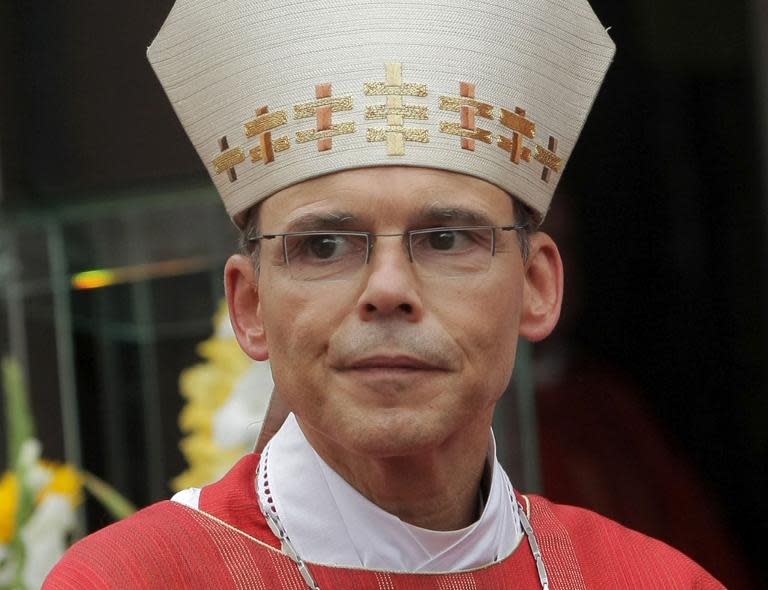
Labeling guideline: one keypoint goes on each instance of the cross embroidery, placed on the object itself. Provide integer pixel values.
(322, 109)
(521, 126)
(549, 158)
(468, 108)
(228, 159)
(262, 127)
(395, 112)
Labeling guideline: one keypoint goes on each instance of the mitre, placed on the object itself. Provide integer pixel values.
(272, 92)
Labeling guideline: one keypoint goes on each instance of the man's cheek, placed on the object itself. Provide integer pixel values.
(304, 339)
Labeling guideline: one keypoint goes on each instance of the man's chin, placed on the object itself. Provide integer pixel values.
(387, 433)
(391, 390)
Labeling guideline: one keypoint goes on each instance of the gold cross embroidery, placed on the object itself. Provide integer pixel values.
(262, 126)
(322, 109)
(395, 112)
(521, 126)
(228, 159)
(549, 158)
(468, 108)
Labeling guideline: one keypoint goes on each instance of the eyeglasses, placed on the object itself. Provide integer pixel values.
(437, 251)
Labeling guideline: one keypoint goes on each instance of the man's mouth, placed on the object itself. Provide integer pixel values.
(391, 363)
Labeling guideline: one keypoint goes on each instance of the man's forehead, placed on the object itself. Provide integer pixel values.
(364, 195)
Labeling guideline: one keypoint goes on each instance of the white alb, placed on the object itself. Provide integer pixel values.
(331, 523)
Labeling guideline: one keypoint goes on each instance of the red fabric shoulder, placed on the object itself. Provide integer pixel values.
(233, 499)
(610, 555)
(167, 545)
(162, 546)
(170, 546)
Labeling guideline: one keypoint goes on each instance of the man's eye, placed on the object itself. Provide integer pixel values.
(445, 240)
(325, 247)
(315, 248)
(451, 240)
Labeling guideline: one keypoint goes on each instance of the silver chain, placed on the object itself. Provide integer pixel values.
(287, 547)
(534, 545)
(273, 521)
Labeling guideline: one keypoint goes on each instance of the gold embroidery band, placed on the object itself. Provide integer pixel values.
(517, 122)
(337, 104)
(315, 135)
(383, 89)
(453, 104)
(456, 129)
(266, 122)
(226, 162)
(406, 112)
(515, 147)
(279, 145)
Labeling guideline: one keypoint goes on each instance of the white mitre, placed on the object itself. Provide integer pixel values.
(272, 93)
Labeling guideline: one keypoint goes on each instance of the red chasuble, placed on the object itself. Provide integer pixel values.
(227, 545)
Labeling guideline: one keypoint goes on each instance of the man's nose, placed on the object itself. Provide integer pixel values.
(391, 287)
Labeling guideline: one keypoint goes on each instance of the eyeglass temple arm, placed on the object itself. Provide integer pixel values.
(513, 227)
(258, 237)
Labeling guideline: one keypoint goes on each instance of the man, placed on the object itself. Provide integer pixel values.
(388, 164)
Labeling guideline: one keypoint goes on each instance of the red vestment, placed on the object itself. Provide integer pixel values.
(227, 545)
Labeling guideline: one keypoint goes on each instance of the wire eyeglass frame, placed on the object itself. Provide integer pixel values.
(370, 238)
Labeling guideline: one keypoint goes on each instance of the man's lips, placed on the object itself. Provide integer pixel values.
(397, 362)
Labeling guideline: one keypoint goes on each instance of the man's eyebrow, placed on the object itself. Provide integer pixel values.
(429, 215)
(320, 221)
(453, 215)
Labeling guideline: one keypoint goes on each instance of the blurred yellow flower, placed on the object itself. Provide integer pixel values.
(207, 387)
(38, 499)
(65, 481)
(9, 505)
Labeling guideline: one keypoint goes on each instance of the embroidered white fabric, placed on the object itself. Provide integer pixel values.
(331, 523)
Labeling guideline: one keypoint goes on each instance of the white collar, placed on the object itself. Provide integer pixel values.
(331, 523)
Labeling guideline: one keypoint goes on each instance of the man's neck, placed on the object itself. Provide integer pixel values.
(436, 490)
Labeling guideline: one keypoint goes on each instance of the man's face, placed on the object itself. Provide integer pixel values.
(390, 362)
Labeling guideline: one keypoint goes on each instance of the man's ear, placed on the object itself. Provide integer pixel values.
(241, 285)
(543, 289)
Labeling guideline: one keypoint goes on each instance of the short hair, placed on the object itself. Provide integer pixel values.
(524, 216)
